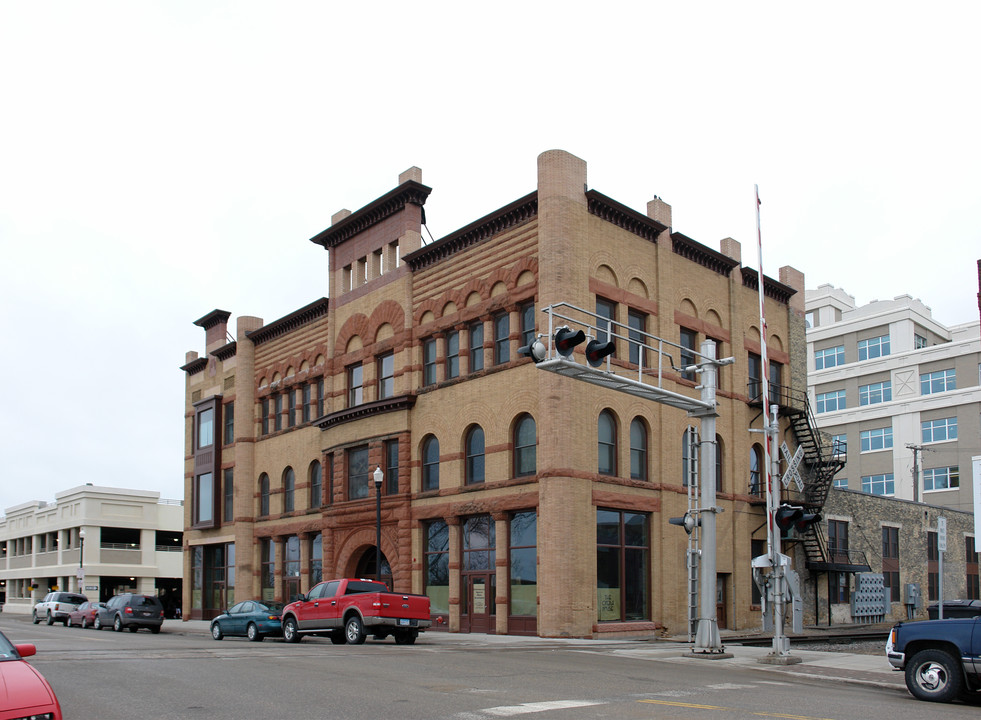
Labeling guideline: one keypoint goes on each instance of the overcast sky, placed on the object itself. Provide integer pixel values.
(159, 160)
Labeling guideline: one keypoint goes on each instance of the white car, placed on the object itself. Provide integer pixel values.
(56, 606)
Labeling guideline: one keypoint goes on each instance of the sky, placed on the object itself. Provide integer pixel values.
(159, 160)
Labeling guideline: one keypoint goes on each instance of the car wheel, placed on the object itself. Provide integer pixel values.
(354, 631)
(216, 632)
(97, 624)
(935, 676)
(117, 624)
(337, 637)
(85, 623)
(34, 617)
(252, 632)
(290, 632)
(68, 622)
(50, 619)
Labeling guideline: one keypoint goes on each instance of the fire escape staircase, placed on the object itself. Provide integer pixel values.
(822, 460)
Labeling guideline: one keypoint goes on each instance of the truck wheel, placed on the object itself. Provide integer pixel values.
(935, 676)
(50, 619)
(117, 624)
(290, 633)
(406, 637)
(337, 637)
(354, 631)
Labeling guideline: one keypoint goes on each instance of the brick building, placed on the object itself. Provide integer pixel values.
(520, 501)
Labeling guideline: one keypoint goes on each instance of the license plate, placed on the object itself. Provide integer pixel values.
(403, 621)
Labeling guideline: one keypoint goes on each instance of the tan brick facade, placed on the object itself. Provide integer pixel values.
(389, 294)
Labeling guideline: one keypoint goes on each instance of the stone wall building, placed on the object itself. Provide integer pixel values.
(520, 501)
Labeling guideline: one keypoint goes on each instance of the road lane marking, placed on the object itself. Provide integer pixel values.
(525, 708)
(720, 707)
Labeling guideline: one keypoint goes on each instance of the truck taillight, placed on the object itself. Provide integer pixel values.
(376, 604)
(129, 611)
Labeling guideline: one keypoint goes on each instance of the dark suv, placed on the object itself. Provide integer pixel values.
(131, 611)
(56, 606)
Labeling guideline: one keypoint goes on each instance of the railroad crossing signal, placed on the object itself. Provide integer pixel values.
(793, 462)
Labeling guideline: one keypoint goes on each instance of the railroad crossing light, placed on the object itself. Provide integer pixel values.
(536, 351)
(805, 521)
(566, 340)
(688, 522)
(785, 516)
(596, 351)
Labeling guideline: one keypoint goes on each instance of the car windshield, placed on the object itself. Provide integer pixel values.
(7, 651)
(274, 606)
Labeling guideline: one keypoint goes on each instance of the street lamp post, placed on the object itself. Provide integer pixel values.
(81, 555)
(379, 478)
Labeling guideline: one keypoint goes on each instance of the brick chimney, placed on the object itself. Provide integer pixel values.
(215, 325)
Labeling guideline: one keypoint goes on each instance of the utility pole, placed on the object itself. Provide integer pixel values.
(916, 470)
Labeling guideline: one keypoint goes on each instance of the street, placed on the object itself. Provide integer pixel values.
(185, 674)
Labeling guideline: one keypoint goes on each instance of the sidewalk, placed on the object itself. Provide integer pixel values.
(841, 666)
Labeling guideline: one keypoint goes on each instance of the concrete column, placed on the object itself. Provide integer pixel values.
(455, 552)
(502, 572)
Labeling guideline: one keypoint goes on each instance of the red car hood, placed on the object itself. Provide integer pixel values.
(21, 687)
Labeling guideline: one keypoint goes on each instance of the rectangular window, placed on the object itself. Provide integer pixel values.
(938, 381)
(502, 343)
(527, 314)
(436, 566)
(357, 473)
(386, 376)
(830, 401)
(689, 338)
(452, 355)
(476, 334)
(890, 562)
(839, 445)
(875, 393)
(838, 583)
(776, 383)
(307, 403)
(841, 482)
(355, 385)
(205, 496)
(945, 478)
(267, 571)
(278, 413)
(754, 368)
(291, 407)
(206, 428)
(228, 415)
(919, 342)
(523, 563)
(606, 311)
(873, 348)
(429, 361)
(879, 484)
(637, 321)
(228, 489)
(878, 439)
(391, 467)
(622, 561)
(939, 430)
(320, 397)
(829, 357)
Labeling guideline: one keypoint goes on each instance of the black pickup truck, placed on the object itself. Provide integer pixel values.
(941, 658)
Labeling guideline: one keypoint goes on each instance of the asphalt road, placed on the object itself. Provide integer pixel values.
(178, 674)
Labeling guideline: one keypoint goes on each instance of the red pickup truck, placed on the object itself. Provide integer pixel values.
(347, 610)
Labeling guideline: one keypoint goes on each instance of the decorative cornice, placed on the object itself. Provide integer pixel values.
(379, 407)
(771, 288)
(195, 366)
(408, 193)
(509, 216)
(225, 351)
(608, 209)
(316, 309)
(213, 318)
(704, 256)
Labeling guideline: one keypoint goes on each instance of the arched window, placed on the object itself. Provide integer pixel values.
(475, 455)
(289, 488)
(756, 470)
(263, 495)
(525, 446)
(316, 484)
(638, 449)
(606, 433)
(430, 463)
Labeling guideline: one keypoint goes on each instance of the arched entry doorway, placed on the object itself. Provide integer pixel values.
(366, 568)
